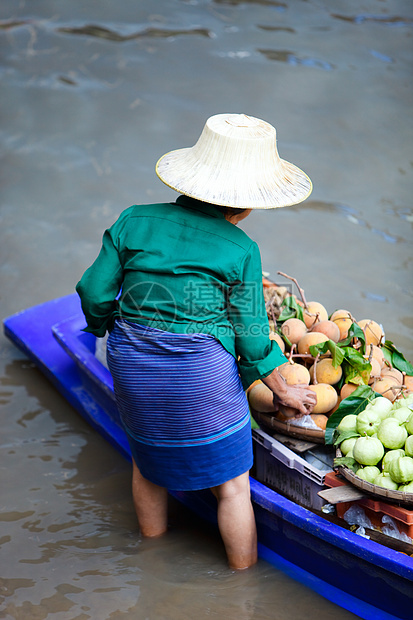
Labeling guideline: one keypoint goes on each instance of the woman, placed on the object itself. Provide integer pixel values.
(179, 288)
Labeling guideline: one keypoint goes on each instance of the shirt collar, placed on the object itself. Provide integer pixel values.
(198, 205)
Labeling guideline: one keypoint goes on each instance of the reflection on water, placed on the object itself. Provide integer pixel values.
(84, 121)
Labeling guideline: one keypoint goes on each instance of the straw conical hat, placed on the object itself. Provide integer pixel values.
(235, 163)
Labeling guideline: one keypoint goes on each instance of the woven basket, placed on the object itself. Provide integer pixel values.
(395, 497)
(286, 428)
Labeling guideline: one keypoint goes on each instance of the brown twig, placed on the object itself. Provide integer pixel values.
(314, 323)
(371, 353)
(300, 290)
(394, 388)
(291, 354)
(315, 369)
(268, 304)
(303, 355)
(273, 316)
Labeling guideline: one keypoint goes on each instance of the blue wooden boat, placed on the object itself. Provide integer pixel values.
(370, 580)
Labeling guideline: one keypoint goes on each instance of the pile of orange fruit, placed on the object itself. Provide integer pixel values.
(347, 353)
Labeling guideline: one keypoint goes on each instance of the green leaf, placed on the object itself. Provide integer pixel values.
(397, 359)
(346, 461)
(290, 309)
(356, 366)
(353, 404)
(285, 314)
(329, 345)
(387, 353)
(345, 435)
(351, 375)
(399, 362)
(354, 331)
(283, 337)
(345, 343)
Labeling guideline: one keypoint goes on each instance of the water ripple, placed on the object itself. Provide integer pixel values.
(389, 20)
(276, 28)
(381, 56)
(374, 296)
(291, 59)
(8, 25)
(353, 216)
(278, 5)
(92, 30)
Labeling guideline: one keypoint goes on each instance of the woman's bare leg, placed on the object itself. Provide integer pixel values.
(151, 504)
(236, 521)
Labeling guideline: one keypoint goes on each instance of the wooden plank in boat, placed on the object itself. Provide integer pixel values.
(336, 495)
(296, 445)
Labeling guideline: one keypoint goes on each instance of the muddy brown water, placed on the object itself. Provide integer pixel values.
(93, 94)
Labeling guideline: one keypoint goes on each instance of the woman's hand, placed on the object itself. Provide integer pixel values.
(298, 397)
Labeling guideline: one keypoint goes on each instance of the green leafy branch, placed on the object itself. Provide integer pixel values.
(396, 359)
(346, 461)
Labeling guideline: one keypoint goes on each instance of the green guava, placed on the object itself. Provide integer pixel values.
(406, 401)
(391, 434)
(368, 450)
(348, 423)
(368, 473)
(382, 406)
(347, 445)
(406, 488)
(401, 413)
(408, 446)
(390, 456)
(368, 422)
(401, 469)
(409, 424)
(385, 480)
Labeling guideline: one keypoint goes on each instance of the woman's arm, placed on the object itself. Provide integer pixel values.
(259, 356)
(99, 287)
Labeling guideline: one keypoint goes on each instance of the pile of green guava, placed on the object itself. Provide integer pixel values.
(377, 443)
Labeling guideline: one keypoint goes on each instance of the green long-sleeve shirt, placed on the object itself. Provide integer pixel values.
(183, 268)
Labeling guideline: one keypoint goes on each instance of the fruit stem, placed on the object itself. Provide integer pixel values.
(315, 369)
(300, 290)
(314, 323)
(371, 353)
(290, 356)
(269, 302)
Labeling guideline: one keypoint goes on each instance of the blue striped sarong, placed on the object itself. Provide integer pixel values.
(182, 404)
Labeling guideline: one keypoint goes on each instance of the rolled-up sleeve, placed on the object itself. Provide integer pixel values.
(99, 287)
(258, 355)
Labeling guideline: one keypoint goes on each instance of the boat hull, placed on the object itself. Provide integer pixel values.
(357, 574)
